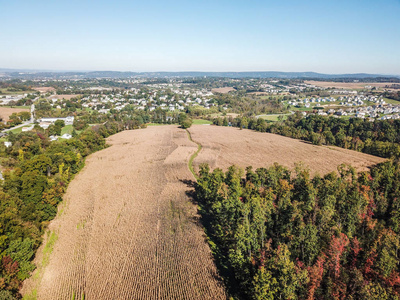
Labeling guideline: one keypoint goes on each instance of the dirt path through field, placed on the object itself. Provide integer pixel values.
(225, 146)
(128, 229)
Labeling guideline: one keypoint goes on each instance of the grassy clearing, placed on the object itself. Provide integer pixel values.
(31, 296)
(67, 129)
(201, 122)
(17, 130)
(6, 92)
(274, 118)
(391, 101)
(193, 156)
(47, 250)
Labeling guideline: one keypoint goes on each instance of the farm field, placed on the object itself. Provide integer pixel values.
(129, 231)
(44, 89)
(6, 112)
(224, 146)
(223, 90)
(348, 85)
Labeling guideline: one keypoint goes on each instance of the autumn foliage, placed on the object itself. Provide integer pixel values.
(279, 235)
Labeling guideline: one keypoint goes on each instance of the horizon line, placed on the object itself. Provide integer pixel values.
(192, 71)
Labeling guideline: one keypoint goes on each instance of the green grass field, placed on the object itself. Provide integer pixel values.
(201, 122)
(67, 129)
(6, 92)
(391, 101)
(16, 130)
(274, 117)
(19, 129)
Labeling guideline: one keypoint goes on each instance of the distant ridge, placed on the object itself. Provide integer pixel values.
(26, 73)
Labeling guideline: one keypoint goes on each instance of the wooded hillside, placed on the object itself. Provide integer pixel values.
(278, 236)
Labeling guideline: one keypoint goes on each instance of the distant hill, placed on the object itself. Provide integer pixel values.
(25, 73)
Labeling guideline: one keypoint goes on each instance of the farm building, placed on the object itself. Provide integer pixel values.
(68, 120)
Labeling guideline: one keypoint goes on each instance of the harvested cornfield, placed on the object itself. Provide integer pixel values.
(6, 112)
(223, 90)
(128, 229)
(349, 85)
(224, 146)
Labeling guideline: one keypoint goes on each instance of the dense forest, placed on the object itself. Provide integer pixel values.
(380, 138)
(278, 235)
(36, 176)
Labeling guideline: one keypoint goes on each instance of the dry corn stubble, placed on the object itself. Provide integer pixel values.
(6, 112)
(224, 146)
(129, 231)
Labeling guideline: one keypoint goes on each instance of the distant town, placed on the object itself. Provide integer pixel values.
(161, 99)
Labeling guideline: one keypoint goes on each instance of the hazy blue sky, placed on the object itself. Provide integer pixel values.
(331, 36)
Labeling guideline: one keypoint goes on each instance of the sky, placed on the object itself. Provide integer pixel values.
(328, 36)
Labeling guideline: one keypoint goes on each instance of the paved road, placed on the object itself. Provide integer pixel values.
(18, 126)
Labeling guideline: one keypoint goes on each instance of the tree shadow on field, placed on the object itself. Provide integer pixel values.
(190, 193)
(203, 221)
(189, 182)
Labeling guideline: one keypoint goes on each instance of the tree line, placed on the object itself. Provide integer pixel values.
(282, 235)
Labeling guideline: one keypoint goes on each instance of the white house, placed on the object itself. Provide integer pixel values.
(44, 125)
(24, 129)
